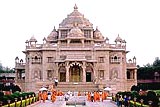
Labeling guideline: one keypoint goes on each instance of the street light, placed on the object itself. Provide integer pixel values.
(9, 101)
(25, 100)
(134, 101)
(15, 102)
(129, 98)
(33, 98)
(21, 100)
(29, 99)
(1, 103)
(141, 102)
(150, 103)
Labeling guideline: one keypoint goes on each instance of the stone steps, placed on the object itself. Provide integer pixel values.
(70, 86)
(82, 87)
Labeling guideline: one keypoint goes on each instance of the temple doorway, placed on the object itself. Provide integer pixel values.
(62, 74)
(89, 73)
(62, 77)
(75, 73)
(88, 76)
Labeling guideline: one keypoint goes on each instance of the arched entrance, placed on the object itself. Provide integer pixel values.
(75, 73)
(62, 74)
(89, 74)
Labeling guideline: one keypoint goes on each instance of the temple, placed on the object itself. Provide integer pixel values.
(79, 56)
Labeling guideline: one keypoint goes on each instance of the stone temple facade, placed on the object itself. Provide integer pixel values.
(79, 56)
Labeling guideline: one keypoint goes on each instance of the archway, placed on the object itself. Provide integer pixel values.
(75, 73)
(62, 74)
(89, 74)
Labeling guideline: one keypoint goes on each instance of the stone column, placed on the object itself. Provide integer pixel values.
(56, 70)
(67, 73)
(68, 42)
(135, 74)
(84, 73)
(82, 42)
(16, 74)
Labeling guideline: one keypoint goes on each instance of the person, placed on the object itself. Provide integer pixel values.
(39, 95)
(56, 82)
(88, 96)
(120, 101)
(53, 96)
(92, 96)
(126, 99)
(44, 96)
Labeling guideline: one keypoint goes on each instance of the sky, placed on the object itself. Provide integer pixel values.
(136, 21)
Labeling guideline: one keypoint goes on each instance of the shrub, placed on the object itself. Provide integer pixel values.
(152, 96)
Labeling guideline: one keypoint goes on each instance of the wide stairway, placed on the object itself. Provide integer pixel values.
(77, 86)
(69, 86)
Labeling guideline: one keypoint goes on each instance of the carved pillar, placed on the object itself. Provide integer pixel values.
(84, 71)
(56, 70)
(68, 42)
(135, 74)
(67, 71)
(16, 74)
(82, 42)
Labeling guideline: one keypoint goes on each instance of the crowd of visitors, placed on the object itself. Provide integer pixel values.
(90, 96)
(44, 95)
(122, 101)
(97, 96)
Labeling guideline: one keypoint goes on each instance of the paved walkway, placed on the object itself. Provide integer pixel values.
(62, 103)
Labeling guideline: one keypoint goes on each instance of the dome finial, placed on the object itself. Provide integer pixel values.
(54, 29)
(75, 7)
(96, 27)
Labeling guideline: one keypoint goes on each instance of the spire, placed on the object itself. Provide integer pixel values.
(75, 7)
(97, 28)
(54, 29)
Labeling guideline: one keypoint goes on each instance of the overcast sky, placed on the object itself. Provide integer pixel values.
(136, 21)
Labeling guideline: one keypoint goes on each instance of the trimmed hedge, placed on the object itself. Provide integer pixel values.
(146, 96)
(24, 103)
(18, 95)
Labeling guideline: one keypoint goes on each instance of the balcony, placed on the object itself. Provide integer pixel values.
(131, 65)
(149, 81)
(7, 81)
(20, 66)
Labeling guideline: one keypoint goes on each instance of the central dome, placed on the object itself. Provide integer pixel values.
(77, 17)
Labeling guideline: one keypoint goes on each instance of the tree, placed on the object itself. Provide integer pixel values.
(156, 62)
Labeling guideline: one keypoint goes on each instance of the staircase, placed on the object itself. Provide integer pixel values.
(69, 86)
(77, 86)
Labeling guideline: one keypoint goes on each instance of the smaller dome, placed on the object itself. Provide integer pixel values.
(118, 39)
(33, 39)
(98, 34)
(124, 41)
(52, 35)
(75, 32)
(26, 41)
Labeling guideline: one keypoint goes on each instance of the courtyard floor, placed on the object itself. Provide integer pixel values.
(62, 103)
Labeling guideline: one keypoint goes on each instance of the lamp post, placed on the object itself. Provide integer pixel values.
(129, 98)
(25, 100)
(15, 102)
(29, 99)
(150, 103)
(21, 100)
(33, 98)
(141, 102)
(1, 103)
(9, 101)
(134, 101)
